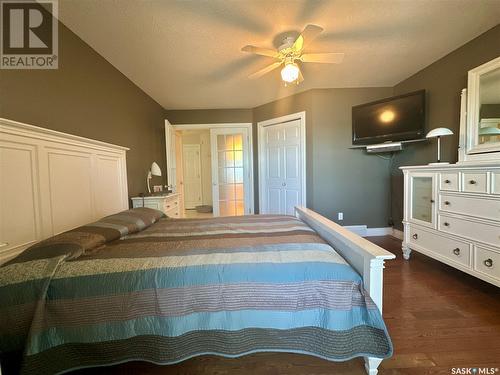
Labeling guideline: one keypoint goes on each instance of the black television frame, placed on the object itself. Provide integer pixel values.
(394, 137)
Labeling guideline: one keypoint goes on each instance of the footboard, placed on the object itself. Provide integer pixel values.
(364, 256)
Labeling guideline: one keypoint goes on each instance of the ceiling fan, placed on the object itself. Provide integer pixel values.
(290, 52)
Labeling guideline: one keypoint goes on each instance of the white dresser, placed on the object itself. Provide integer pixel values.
(169, 204)
(452, 214)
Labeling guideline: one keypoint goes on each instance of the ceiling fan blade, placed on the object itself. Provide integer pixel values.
(325, 58)
(310, 32)
(267, 69)
(260, 51)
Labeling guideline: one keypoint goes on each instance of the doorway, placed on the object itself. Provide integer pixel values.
(282, 164)
(225, 168)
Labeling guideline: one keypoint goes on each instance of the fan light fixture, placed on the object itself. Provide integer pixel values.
(290, 72)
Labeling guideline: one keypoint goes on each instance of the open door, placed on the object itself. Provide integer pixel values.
(170, 151)
(231, 166)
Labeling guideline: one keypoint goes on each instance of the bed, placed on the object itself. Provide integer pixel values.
(139, 286)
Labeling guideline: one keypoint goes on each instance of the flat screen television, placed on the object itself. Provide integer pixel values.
(400, 118)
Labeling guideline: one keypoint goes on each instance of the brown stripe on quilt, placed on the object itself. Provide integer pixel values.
(335, 345)
(169, 302)
(157, 247)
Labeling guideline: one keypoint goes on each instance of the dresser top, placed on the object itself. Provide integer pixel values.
(159, 196)
(461, 166)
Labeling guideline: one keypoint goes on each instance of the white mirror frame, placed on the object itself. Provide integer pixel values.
(470, 150)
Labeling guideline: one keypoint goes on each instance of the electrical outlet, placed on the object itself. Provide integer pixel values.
(341, 216)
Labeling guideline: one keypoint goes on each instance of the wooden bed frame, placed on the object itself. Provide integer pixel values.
(364, 256)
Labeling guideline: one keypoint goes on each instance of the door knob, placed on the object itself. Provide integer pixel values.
(283, 184)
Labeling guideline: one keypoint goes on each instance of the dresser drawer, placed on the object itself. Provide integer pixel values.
(495, 182)
(173, 213)
(475, 182)
(472, 206)
(170, 204)
(454, 250)
(487, 262)
(479, 231)
(449, 181)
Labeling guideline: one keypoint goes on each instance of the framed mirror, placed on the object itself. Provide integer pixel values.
(482, 123)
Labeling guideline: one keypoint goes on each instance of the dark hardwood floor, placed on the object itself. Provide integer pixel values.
(438, 318)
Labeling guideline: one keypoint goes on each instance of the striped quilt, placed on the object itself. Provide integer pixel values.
(180, 288)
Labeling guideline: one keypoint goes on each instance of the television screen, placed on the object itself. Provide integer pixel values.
(400, 118)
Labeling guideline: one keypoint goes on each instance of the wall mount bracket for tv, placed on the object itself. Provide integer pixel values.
(386, 146)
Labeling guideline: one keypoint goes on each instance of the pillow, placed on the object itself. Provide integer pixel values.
(76, 242)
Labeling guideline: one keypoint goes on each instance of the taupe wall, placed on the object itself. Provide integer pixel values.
(209, 116)
(339, 179)
(443, 81)
(88, 97)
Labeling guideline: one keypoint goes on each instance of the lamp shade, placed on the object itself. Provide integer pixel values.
(438, 132)
(155, 169)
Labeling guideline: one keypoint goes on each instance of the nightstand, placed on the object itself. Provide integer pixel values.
(169, 204)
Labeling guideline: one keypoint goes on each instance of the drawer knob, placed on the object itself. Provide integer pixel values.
(446, 224)
(447, 181)
(472, 182)
(415, 236)
(456, 251)
(446, 203)
(488, 263)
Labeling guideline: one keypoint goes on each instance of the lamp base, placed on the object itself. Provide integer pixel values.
(439, 163)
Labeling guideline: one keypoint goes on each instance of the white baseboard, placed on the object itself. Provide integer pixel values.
(364, 231)
(360, 230)
(399, 234)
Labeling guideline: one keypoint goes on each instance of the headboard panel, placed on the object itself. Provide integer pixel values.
(51, 182)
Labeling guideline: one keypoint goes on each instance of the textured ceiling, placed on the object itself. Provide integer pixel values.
(186, 54)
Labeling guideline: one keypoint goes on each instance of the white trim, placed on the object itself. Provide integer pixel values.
(364, 231)
(245, 125)
(399, 234)
(274, 121)
(18, 128)
(211, 126)
(470, 151)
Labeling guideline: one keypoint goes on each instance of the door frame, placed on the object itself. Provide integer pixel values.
(261, 125)
(248, 126)
(198, 148)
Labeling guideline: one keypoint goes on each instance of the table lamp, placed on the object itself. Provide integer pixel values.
(439, 132)
(153, 171)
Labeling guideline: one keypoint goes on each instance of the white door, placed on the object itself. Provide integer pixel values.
(282, 168)
(192, 175)
(231, 166)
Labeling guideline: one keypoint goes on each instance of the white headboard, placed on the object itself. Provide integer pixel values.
(51, 182)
